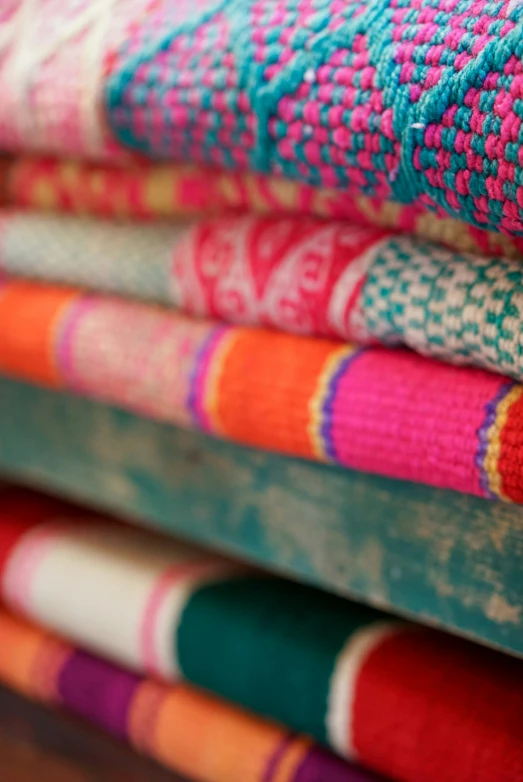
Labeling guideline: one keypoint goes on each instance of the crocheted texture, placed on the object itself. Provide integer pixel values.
(415, 101)
(192, 733)
(390, 412)
(52, 63)
(293, 274)
(314, 661)
(146, 191)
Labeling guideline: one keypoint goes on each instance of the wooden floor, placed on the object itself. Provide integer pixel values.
(41, 745)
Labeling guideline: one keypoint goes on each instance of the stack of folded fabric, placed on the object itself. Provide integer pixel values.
(296, 225)
(411, 703)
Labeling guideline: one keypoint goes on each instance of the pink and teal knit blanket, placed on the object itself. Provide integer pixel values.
(418, 101)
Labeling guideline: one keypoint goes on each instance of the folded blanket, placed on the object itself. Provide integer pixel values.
(412, 703)
(294, 274)
(145, 191)
(189, 732)
(394, 544)
(390, 412)
(414, 102)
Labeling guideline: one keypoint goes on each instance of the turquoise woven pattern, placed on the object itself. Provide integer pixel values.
(464, 309)
(416, 101)
(182, 99)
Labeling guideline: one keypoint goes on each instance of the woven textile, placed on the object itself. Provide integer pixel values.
(347, 675)
(390, 412)
(54, 58)
(189, 732)
(52, 63)
(293, 274)
(147, 191)
(159, 191)
(414, 101)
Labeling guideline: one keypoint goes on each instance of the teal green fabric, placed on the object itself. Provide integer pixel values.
(226, 626)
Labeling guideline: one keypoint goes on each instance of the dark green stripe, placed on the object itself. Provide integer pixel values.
(269, 645)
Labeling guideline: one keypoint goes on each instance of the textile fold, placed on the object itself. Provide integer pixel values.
(188, 731)
(390, 412)
(144, 191)
(299, 275)
(315, 662)
(413, 103)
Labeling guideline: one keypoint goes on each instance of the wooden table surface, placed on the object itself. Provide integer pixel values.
(38, 744)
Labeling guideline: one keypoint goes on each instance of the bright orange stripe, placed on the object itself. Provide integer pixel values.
(293, 758)
(20, 645)
(265, 387)
(28, 315)
(237, 747)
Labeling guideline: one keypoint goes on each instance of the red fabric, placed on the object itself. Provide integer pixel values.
(427, 710)
(511, 452)
(20, 511)
(275, 272)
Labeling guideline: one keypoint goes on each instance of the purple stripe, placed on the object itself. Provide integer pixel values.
(320, 765)
(327, 404)
(491, 411)
(277, 756)
(64, 340)
(196, 402)
(98, 691)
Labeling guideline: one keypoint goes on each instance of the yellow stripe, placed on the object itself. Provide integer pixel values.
(160, 191)
(494, 441)
(292, 759)
(317, 401)
(211, 384)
